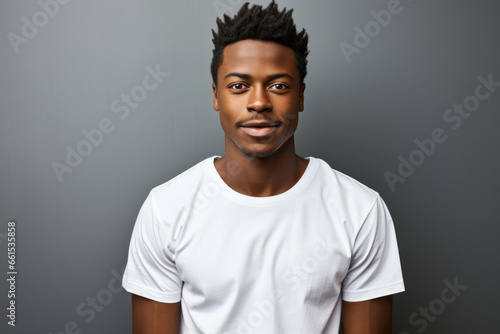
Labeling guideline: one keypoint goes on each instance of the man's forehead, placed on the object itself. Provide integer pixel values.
(252, 48)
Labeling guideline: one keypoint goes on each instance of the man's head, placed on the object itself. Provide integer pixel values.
(256, 22)
(259, 66)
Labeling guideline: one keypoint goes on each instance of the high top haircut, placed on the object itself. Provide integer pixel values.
(267, 24)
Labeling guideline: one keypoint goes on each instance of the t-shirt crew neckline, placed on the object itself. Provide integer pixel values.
(235, 196)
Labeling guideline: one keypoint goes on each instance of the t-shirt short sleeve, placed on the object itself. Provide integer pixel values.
(375, 268)
(150, 270)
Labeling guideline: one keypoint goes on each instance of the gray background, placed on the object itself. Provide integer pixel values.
(359, 116)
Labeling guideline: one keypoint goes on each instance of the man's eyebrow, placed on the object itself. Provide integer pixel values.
(248, 76)
(239, 75)
(280, 75)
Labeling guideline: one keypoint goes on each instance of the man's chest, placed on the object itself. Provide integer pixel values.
(297, 252)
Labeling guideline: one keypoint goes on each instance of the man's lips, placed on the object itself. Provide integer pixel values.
(259, 129)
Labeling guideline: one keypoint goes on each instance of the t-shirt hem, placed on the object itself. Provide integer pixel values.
(161, 297)
(359, 296)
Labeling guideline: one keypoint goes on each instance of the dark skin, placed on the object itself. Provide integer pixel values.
(259, 85)
(259, 95)
(152, 317)
(368, 317)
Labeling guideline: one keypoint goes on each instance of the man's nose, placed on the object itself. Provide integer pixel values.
(258, 100)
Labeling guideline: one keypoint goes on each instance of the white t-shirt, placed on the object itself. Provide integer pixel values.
(278, 264)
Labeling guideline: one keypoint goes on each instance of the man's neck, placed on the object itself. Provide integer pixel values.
(261, 177)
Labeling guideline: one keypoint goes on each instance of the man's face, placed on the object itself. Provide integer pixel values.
(258, 95)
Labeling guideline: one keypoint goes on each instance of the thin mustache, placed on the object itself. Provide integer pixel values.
(257, 118)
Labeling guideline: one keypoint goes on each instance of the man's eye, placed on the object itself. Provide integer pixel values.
(237, 86)
(278, 86)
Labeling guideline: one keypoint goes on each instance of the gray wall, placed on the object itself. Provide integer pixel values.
(364, 114)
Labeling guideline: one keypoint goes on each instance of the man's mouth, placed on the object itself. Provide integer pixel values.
(259, 129)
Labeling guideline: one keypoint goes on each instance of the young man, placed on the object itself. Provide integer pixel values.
(262, 240)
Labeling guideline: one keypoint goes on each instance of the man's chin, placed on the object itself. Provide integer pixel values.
(257, 154)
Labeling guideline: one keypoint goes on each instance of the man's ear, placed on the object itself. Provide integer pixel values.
(216, 99)
(301, 97)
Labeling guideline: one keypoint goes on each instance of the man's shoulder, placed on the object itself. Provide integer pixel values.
(185, 183)
(352, 200)
(343, 184)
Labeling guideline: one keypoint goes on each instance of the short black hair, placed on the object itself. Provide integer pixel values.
(267, 24)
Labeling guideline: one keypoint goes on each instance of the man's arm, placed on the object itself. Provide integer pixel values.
(152, 317)
(367, 317)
